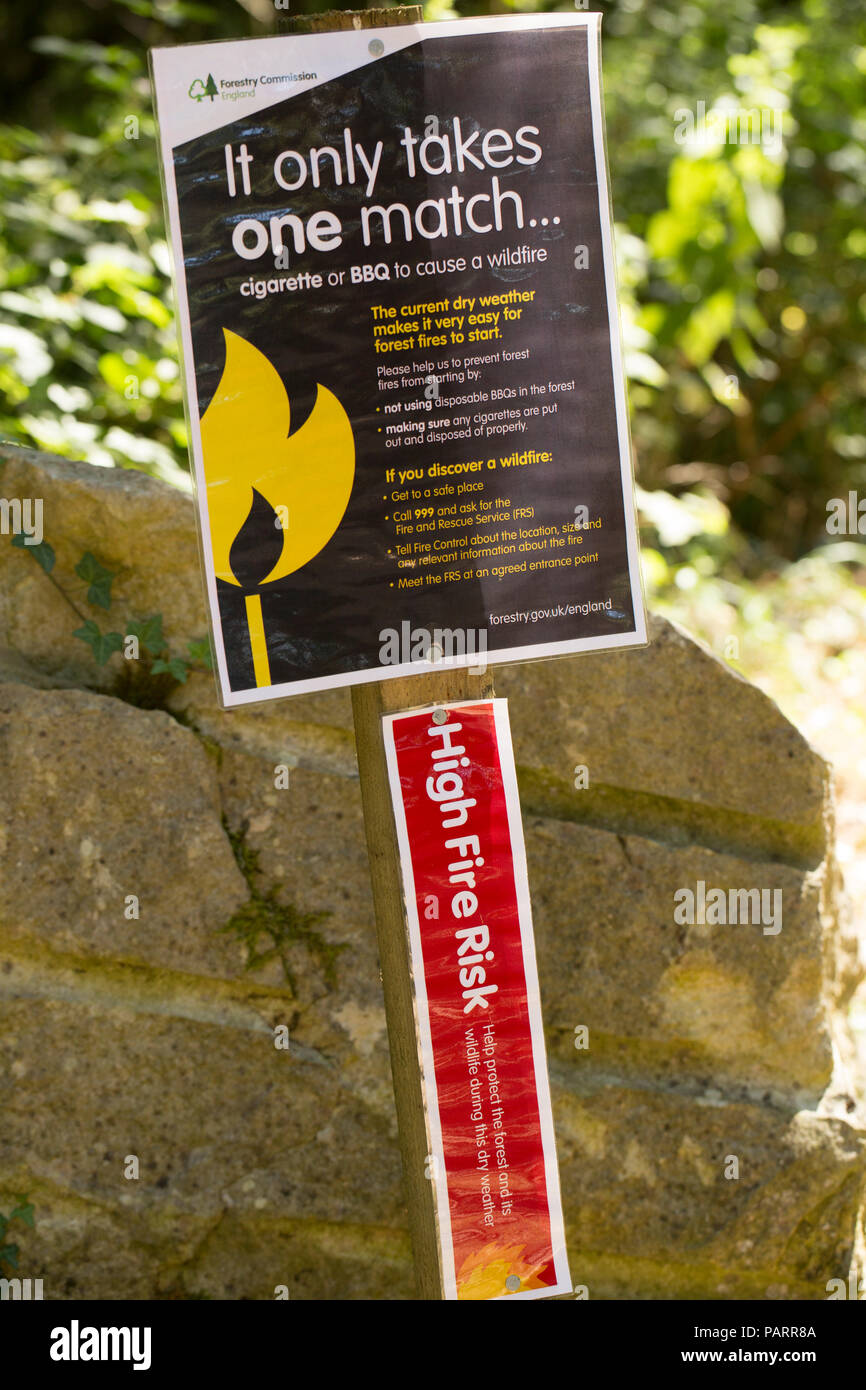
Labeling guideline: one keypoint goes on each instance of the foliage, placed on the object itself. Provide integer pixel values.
(23, 1213)
(746, 288)
(88, 357)
(798, 630)
(269, 929)
(741, 264)
(149, 672)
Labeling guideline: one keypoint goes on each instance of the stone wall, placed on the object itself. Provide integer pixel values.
(259, 1166)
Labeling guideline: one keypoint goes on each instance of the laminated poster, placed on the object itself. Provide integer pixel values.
(404, 381)
(492, 1155)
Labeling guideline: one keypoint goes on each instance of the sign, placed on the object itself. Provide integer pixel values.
(404, 380)
(492, 1157)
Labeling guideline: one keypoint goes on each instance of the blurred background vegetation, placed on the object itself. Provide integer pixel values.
(743, 283)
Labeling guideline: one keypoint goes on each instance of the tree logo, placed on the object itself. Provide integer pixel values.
(199, 89)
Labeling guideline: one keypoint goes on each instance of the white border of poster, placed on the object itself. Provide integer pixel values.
(335, 54)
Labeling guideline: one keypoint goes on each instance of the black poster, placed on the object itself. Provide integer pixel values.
(405, 390)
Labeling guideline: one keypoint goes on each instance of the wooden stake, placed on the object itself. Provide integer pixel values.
(331, 20)
(369, 703)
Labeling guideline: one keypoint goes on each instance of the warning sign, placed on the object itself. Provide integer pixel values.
(406, 398)
(480, 1038)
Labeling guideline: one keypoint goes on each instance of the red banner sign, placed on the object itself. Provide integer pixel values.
(491, 1144)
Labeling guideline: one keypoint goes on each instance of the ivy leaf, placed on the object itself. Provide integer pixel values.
(200, 650)
(98, 577)
(23, 1211)
(9, 1253)
(42, 553)
(149, 633)
(102, 644)
(175, 667)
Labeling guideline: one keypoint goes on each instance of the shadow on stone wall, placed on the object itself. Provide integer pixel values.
(261, 1166)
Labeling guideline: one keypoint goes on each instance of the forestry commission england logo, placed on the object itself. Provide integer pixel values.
(243, 88)
(198, 89)
(76, 1343)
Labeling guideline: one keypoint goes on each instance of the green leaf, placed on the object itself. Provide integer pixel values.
(9, 1253)
(98, 577)
(707, 325)
(149, 633)
(175, 667)
(102, 644)
(23, 1211)
(42, 553)
(200, 650)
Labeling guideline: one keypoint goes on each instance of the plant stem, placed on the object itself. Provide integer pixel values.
(63, 593)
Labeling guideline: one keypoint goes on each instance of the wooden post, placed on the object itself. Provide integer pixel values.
(369, 703)
(330, 20)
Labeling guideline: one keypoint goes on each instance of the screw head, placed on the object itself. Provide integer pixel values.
(440, 716)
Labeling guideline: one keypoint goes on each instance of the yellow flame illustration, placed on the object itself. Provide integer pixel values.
(484, 1274)
(246, 444)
